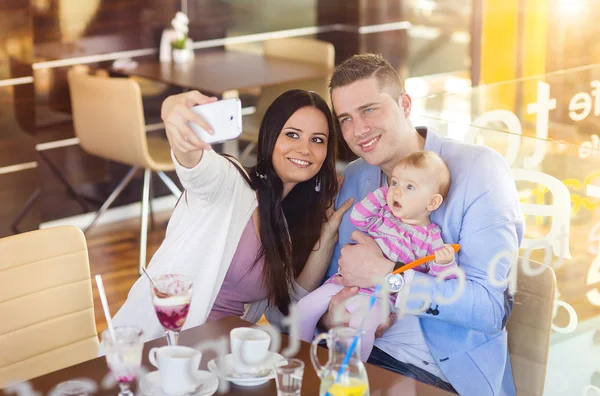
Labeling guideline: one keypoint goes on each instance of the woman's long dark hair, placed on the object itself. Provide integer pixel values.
(289, 228)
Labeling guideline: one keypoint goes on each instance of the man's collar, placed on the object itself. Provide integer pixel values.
(433, 141)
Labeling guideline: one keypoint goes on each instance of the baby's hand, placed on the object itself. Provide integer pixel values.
(444, 255)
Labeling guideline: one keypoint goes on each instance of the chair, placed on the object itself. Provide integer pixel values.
(529, 328)
(109, 121)
(317, 52)
(46, 303)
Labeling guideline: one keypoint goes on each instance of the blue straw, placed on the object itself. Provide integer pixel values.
(356, 338)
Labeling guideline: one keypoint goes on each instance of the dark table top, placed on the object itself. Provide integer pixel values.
(381, 382)
(217, 71)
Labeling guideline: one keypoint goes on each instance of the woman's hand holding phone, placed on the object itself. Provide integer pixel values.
(176, 114)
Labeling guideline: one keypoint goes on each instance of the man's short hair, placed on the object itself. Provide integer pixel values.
(425, 159)
(363, 66)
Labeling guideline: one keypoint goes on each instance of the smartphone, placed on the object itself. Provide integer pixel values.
(225, 117)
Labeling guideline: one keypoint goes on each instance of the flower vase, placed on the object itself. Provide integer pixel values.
(182, 56)
(185, 55)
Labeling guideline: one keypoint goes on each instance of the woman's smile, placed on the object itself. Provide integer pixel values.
(300, 163)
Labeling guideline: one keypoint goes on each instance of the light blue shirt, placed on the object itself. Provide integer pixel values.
(481, 213)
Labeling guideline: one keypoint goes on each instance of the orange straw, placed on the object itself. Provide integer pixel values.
(422, 260)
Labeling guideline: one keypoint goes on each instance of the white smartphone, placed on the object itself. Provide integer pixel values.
(225, 117)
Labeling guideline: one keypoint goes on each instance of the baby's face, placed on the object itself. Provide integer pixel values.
(410, 191)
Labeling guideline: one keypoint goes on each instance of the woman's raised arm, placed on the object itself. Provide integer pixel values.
(203, 173)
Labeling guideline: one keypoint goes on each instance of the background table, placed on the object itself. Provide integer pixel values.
(381, 382)
(220, 71)
(223, 73)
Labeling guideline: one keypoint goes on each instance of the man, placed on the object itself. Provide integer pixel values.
(460, 346)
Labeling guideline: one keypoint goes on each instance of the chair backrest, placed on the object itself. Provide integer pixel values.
(558, 212)
(108, 116)
(317, 52)
(46, 303)
(301, 49)
(529, 328)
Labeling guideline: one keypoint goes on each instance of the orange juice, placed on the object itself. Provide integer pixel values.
(348, 387)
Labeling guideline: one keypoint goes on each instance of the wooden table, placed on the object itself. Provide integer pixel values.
(217, 72)
(381, 382)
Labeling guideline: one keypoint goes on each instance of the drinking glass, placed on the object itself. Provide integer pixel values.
(75, 387)
(124, 355)
(171, 298)
(288, 377)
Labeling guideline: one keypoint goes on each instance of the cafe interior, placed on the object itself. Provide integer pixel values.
(88, 184)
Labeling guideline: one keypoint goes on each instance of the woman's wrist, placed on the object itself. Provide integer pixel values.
(326, 243)
(316, 266)
(188, 160)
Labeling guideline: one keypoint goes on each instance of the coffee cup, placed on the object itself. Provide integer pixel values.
(249, 347)
(177, 365)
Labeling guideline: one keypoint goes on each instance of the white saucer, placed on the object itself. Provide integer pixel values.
(150, 384)
(224, 367)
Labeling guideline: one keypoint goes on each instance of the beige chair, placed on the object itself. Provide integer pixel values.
(46, 303)
(109, 121)
(317, 52)
(529, 328)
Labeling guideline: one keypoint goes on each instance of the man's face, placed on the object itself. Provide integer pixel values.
(373, 124)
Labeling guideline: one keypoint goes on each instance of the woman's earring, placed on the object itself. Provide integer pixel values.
(260, 176)
(318, 184)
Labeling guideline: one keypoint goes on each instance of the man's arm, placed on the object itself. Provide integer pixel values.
(490, 235)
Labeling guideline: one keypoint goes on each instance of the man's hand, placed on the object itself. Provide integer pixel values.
(338, 302)
(382, 328)
(362, 264)
(337, 305)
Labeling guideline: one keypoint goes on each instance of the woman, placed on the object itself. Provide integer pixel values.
(261, 236)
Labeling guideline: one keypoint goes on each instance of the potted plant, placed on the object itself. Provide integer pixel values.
(181, 45)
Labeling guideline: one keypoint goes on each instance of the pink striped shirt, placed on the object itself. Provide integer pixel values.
(397, 240)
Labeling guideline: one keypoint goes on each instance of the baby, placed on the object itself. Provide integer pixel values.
(397, 218)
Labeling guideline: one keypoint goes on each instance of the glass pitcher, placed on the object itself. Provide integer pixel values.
(353, 381)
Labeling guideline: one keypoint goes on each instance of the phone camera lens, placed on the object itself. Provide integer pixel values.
(230, 118)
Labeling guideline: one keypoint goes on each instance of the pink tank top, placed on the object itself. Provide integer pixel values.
(243, 283)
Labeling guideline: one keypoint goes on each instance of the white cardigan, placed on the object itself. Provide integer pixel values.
(201, 239)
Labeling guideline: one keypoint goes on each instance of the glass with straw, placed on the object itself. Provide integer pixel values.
(341, 383)
(123, 346)
(124, 355)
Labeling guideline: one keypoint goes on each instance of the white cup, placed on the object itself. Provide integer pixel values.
(249, 346)
(176, 365)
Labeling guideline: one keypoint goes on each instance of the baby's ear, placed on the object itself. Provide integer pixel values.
(435, 202)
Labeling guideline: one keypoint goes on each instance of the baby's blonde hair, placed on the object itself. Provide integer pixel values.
(429, 159)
